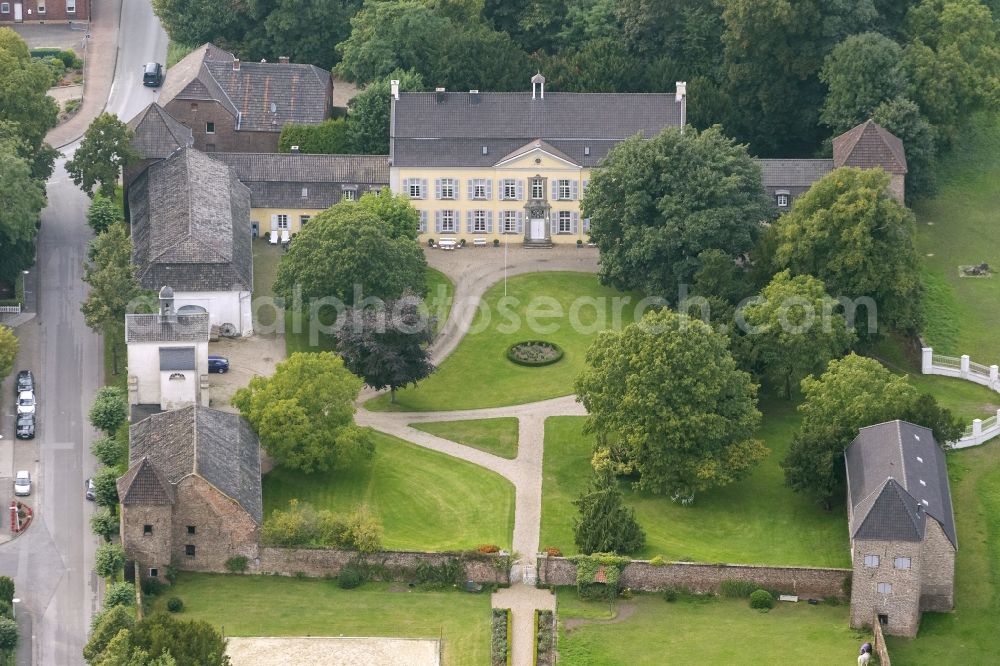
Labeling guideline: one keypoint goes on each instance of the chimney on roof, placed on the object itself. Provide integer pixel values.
(236, 64)
(440, 94)
(283, 60)
(167, 314)
(680, 96)
(538, 86)
(394, 87)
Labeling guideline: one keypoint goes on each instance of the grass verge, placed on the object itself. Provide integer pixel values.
(496, 436)
(568, 309)
(425, 500)
(281, 606)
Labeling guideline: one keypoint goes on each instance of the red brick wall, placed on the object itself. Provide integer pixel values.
(225, 139)
(55, 12)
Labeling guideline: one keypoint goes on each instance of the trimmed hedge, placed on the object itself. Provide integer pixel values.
(500, 636)
(545, 653)
(761, 599)
(513, 358)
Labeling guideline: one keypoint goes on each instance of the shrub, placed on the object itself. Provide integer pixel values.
(103, 212)
(761, 599)
(8, 634)
(488, 548)
(110, 409)
(119, 594)
(544, 637)
(152, 587)
(737, 589)
(657, 561)
(105, 626)
(499, 637)
(237, 564)
(363, 531)
(303, 525)
(670, 595)
(171, 574)
(553, 552)
(104, 524)
(6, 588)
(329, 137)
(349, 578)
(109, 450)
(109, 560)
(175, 604)
(106, 487)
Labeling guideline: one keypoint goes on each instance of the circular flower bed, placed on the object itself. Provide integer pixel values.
(534, 353)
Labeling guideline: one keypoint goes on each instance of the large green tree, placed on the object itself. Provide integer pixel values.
(200, 21)
(860, 73)
(605, 524)
(792, 329)
(114, 286)
(9, 345)
(655, 205)
(106, 149)
(347, 252)
(308, 30)
(155, 640)
(851, 234)
(304, 413)
(668, 390)
(24, 101)
(852, 393)
(24, 199)
(369, 111)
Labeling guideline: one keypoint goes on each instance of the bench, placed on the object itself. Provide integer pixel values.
(479, 242)
(788, 597)
(447, 243)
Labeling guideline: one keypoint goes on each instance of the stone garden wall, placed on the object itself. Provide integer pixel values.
(317, 563)
(702, 578)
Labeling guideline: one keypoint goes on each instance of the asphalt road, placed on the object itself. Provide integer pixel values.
(52, 563)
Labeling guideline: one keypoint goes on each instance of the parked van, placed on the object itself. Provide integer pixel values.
(152, 75)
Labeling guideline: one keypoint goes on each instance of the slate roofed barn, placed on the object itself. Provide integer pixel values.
(190, 219)
(192, 493)
(902, 527)
(241, 106)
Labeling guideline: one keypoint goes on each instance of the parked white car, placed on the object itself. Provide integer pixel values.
(22, 483)
(26, 402)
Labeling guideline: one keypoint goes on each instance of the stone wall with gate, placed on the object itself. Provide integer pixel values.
(398, 565)
(702, 578)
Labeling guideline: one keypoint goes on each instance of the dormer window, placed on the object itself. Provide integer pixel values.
(305, 192)
(350, 194)
(782, 198)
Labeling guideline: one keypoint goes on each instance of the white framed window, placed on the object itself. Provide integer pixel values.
(883, 588)
(282, 221)
(508, 222)
(537, 188)
(902, 563)
(782, 201)
(447, 188)
(350, 194)
(479, 189)
(303, 220)
(4, 8)
(509, 189)
(448, 221)
(565, 222)
(71, 6)
(209, 128)
(871, 561)
(565, 190)
(479, 221)
(415, 188)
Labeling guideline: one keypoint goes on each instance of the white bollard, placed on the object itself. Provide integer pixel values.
(993, 377)
(965, 364)
(977, 427)
(927, 360)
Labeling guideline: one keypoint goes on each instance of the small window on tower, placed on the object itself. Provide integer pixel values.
(147, 530)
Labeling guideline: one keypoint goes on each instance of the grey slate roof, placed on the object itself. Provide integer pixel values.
(190, 220)
(151, 328)
(896, 476)
(144, 484)
(450, 129)
(794, 175)
(300, 93)
(870, 145)
(157, 135)
(277, 180)
(177, 358)
(218, 446)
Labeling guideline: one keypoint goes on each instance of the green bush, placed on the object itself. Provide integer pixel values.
(330, 137)
(657, 561)
(236, 564)
(349, 578)
(152, 587)
(8, 634)
(6, 588)
(670, 595)
(303, 525)
(110, 409)
(104, 524)
(109, 560)
(761, 599)
(175, 604)
(119, 594)
(737, 589)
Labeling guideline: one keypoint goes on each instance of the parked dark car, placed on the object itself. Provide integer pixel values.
(152, 75)
(25, 426)
(90, 492)
(218, 364)
(25, 381)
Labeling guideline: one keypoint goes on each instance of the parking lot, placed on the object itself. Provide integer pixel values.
(248, 358)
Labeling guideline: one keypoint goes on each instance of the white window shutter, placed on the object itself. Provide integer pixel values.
(423, 188)
(468, 221)
(573, 190)
(437, 221)
(423, 222)
(489, 188)
(519, 187)
(519, 223)
(489, 221)
(454, 184)
(586, 225)
(553, 223)
(470, 184)
(574, 221)
(437, 188)
(406, 187)
(555, 189)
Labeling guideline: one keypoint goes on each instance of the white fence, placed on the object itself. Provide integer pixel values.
(961, 367)
(10, 309)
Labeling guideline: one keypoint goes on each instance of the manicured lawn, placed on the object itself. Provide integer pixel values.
(968, 635)
(281, 606)
(298, 336)
(425, 500)
(756, 521)
(705, 630)
(265, 268)
(496, 436)
(538, 306)
(960, 226)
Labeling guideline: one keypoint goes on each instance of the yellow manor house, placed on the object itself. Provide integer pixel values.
(511, 165)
